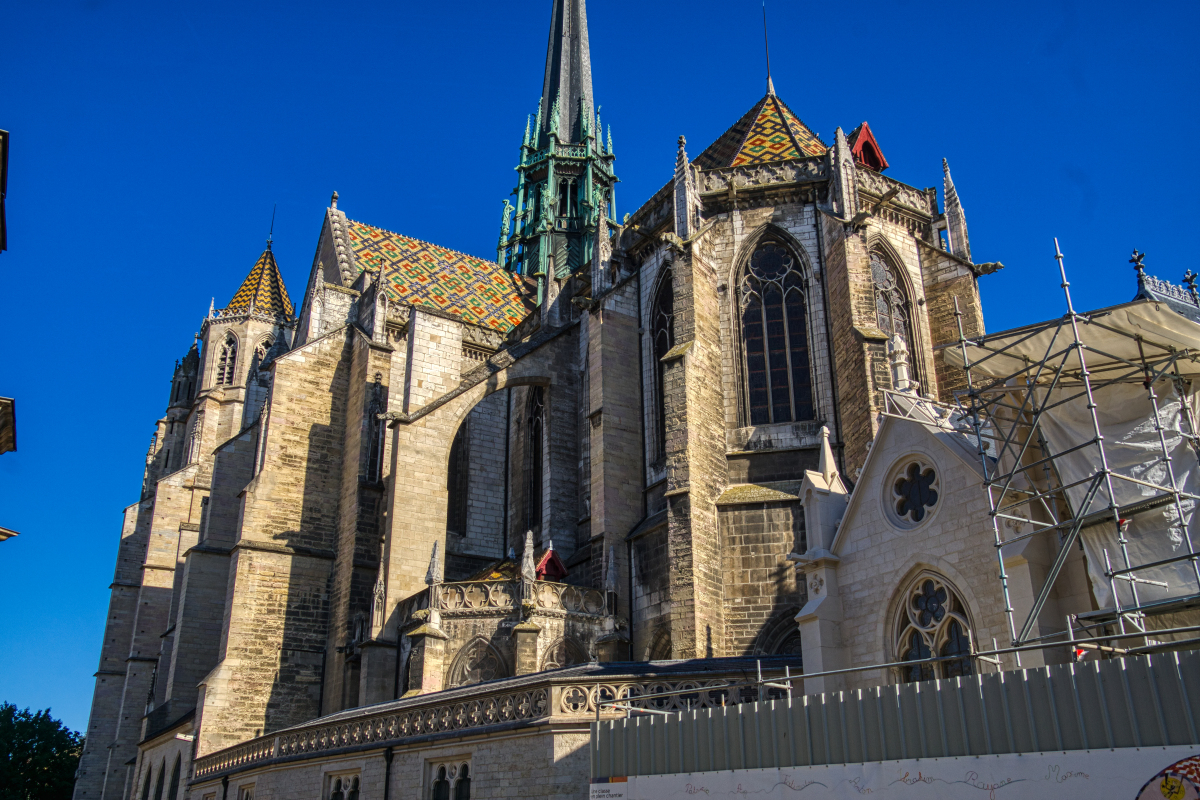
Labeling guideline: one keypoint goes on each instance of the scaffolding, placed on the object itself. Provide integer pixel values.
(1035, 408)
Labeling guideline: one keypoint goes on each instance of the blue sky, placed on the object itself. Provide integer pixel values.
(151, 140)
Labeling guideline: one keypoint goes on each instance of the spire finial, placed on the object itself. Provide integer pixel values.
(434, 573)
(211, 310)
(528, 572)
(333, 201)
(1136, 260)
(271, 233)
(767, 47)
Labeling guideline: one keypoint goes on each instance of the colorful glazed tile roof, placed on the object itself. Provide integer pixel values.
(477, 291)
(263, 290)
(766, 133)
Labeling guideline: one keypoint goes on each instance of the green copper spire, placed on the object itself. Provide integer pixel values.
(565, 176)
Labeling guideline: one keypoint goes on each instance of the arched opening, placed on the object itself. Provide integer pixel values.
(662, 338)
(227, 363)
(932, 622)
(173, 792)
(774, 327)
(458, 482)
(893, 313)
(535, 429)
(478, 661)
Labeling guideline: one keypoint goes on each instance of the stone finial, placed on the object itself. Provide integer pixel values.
(333, 201)
(956, 220)
(211, 308)
(434, 574)
(827, 465)
(681, 157)
(528, 572)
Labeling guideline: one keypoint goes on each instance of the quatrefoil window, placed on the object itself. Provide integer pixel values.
(915, 492)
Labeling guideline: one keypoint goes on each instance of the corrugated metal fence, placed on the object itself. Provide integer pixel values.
(1123, 702)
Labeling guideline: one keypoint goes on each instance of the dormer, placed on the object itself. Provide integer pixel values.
(866, 149)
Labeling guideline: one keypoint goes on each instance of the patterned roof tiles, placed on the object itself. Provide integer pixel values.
(768, 132)
(423, 274)
(263, 291)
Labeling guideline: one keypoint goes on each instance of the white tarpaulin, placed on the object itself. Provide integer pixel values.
(1112, 336)
(1122, 774)
(1133, 449)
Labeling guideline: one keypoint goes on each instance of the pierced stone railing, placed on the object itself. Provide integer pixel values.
(719, 180)
(456, 710)
(1159, 286)
(878, 184)
(506, 595)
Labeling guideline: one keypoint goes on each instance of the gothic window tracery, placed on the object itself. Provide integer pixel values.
(775, 337)
(227, 364)
(535, 421)
(477, 662)
(662, 336)
(893, 313)
(933, 622)
(343, 787)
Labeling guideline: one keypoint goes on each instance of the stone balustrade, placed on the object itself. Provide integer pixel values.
(562, 695)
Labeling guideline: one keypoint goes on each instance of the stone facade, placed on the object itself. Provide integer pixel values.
(391, 494)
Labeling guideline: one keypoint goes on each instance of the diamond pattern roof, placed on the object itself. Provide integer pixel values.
(263, 290)
(423, 274)
(768, 132)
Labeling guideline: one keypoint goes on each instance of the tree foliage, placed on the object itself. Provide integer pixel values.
(38, 755)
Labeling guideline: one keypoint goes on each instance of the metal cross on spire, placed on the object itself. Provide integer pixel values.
(271, 233)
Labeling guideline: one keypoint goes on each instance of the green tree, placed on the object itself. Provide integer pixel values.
(38, 755)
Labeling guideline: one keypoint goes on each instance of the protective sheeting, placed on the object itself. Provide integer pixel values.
(1109, 337)
(1133, 449)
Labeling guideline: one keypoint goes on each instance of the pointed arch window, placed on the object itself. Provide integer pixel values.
(173, 791)
(227, 363)
(893, 312)
(535, 421)
(662, 339)
(457, 486)
(933, 622)
(774, 318)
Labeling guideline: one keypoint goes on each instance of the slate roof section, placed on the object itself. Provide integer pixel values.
(476, 291)
(263, 290)
(768, 132)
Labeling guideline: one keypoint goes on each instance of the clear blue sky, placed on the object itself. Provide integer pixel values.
(150, 141)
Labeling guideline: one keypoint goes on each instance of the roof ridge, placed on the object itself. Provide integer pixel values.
(757, 110)
(754, 109)
(425, 242)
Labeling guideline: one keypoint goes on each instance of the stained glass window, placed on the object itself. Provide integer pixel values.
(535, 428)
(662, 333)
(775, 337)
(892, 310)
(933, 622)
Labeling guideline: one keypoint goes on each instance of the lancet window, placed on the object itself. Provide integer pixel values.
(343, 787)
(662, 339)
(775, 337)
(535, 424)
(933, 623)
(892, 308)
(457, 477)
(227, 363)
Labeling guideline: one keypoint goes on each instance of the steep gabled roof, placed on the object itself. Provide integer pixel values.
(865, 148)
(477, 291)
(768, 132)
(263, 291)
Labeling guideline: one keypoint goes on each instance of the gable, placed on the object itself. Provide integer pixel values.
(896, 439)
(865, 148)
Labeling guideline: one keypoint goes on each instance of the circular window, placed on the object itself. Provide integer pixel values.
(911, 494)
